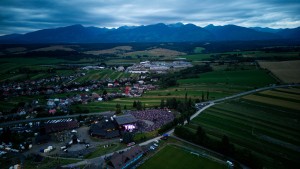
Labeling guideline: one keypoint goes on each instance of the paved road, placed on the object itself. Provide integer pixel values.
(11, 123)
(249, 92)
(101, 158)
(203, 106)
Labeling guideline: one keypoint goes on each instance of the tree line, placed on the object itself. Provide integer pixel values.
(168, 80)
(224, 146)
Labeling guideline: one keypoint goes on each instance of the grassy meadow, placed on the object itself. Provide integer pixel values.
(266, 123)
(171, 157)
(223, 81)
(103, 74)
(219, 84)
(251, 78)
(286, 71)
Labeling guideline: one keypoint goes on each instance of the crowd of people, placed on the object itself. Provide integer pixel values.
(158, 117)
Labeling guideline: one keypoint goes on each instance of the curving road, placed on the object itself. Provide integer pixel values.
(201, 107)
(248, 92)
(11, 123)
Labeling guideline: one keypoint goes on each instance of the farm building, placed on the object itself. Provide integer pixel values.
(126, 122)
(126, 159)
(104, 129)
(60, 125)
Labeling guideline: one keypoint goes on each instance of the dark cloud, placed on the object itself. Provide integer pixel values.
(19, 16)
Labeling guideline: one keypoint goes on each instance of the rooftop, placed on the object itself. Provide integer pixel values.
(125, 119)
(120, 160)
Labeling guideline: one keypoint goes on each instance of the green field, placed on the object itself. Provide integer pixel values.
(111, 105)
(10, 69)
(101, 150)
(219, 84)
(103, 74)
(200, 56)
(171, 157)
(254, 78)
(49, 163)
(197, 57)
(266, 123)
(199, 50)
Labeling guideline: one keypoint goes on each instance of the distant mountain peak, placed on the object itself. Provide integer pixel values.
(127, 27)
(76, 26)
(210, 25)
(160, 32)
(158, 24)
(176, 25)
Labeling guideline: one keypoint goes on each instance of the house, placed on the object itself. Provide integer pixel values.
(106, 128)
(141, 82)
(95, 96)
(22, 112)
(126, 159)
(52, 111)
(138, 71)
(120, 68)
(116, 83)
(51, 104)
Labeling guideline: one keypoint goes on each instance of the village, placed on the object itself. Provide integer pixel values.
(53, 97)
(67, 92)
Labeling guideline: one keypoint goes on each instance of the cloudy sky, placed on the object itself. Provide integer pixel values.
(21, 16)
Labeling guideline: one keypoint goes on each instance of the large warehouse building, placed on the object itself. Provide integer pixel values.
(60, 125)
(126, 122)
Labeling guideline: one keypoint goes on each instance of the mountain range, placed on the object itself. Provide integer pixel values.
(160, 32)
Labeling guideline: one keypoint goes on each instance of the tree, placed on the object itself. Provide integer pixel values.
(190, 103)
(226, 147)
(174, 103)
(181, 120)
(168, 81)
(127, 137)
(86, 111)
(202, 99)
(139, 105)
(188, 118)
(171, 103)
(118, 109)
(134, 104)
(80, 118)
(162, 103)
(184, 133)
(104, 92)
(42, 130)
(6, 135)
(125, 107)
(168, 103)
(21, 104)
(207, 95)
(103, 64)
(181, 107)
(200, 136)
